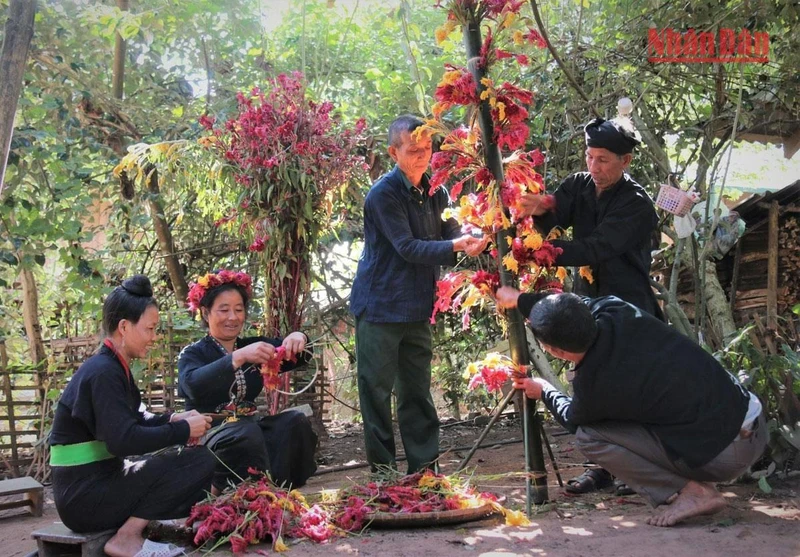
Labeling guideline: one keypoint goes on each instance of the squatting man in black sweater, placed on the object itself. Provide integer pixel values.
(648, 404)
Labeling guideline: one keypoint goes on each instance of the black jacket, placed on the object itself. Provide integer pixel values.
(205, 375)
(101, 403)
(643, 371)
(613, 234)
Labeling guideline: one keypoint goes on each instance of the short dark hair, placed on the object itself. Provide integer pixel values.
(128, 301)
(404, 123)
(208, 300)
(563, 321)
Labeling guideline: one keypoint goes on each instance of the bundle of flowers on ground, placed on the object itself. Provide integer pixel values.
(258, 511)
(423, 492)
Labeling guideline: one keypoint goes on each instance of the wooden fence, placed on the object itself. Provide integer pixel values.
(27, 396)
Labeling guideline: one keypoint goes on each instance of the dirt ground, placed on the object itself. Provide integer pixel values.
(596, 525)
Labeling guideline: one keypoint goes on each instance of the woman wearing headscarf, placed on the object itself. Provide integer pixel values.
(222, 373)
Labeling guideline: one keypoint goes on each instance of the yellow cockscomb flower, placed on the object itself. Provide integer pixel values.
(510, 263)
(533, 241)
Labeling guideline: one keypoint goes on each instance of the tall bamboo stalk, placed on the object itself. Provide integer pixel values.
(534, 456)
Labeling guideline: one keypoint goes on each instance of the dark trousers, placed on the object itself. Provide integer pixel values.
(633, 454)
(397, 356)
(103, 495)
(283, 445)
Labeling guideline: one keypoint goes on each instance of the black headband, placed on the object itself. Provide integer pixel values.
(609, 135)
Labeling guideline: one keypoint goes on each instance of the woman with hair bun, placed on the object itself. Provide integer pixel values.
(98, 425)
(221, 373)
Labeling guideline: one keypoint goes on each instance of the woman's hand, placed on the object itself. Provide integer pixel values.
(198, 424)
(295, 344)
(256, 353)
(178, 416)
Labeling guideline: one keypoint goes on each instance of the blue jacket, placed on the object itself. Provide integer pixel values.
(405, 242)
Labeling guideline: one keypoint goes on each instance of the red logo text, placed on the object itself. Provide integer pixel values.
(725, 45)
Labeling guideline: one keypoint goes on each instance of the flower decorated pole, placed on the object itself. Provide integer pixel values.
(488, 153)
(536, 490)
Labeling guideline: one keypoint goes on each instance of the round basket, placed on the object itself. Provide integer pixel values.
(438, 518)
(674, 200)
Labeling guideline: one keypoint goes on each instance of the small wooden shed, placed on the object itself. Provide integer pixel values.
(761, 275)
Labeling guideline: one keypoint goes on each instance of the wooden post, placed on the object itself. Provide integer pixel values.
(772, 267)
(9, 392)
(17, 41)
(737, 263)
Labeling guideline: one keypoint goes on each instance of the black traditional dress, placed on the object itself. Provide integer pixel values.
(98, 424)
(282, 445)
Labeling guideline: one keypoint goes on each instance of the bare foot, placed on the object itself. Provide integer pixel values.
(695, 499)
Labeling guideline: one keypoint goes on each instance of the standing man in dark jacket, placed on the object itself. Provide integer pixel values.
(649, 404)
(612, 219)
(405, 242)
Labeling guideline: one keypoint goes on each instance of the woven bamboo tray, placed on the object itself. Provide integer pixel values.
(438, 518)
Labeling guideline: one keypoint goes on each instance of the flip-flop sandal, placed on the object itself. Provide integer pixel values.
(621, 488)
(154, 549)
(592, 479)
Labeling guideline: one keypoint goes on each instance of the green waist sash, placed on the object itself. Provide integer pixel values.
(79, 453)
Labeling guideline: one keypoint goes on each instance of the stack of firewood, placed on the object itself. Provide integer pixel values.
(789, 260)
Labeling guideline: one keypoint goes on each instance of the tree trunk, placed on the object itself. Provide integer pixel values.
(176, 276)
(717, 307)
(18, 34)
(30, 315)
(118, 78)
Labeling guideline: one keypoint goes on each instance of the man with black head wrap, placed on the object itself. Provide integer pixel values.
(613, 221)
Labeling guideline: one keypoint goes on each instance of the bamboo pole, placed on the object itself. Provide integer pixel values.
(534, 455)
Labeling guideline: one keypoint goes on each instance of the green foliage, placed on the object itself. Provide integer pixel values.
(775, 379)
(455, 348)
